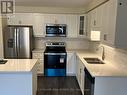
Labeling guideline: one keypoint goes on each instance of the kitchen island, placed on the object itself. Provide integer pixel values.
(18, 77)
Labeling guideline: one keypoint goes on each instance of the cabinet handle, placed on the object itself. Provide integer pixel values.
(94, 22)
(86, 34)
(105, 37)
(80, 70)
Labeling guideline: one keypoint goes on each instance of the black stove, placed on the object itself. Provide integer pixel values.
(55, 57)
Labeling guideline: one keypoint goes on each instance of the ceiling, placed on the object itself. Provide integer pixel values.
(53, 3)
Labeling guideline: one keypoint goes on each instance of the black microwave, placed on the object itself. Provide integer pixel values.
(55, 30)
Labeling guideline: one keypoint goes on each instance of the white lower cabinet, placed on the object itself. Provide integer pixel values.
(80, 74)
(39, 56)
(71, 64)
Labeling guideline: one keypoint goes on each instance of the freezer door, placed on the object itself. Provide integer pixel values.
(23, 42)
(10, 44)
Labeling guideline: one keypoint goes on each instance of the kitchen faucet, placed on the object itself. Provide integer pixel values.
(103, 52)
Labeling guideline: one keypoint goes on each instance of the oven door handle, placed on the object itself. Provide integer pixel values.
(54, 53)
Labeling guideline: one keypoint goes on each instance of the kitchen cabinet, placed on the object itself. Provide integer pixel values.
(94, 24)
(71, 64)
(39, 56)
(92, 33)
(82, 26)
(80, 74)
(54, 19)
(96, 17)
(115, 35)
(72, 26)
(105, 22)
(38, 25)
(20, 19)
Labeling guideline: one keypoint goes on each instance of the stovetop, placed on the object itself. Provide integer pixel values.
(55, 47)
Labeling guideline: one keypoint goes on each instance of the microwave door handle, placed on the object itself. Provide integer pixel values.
(61, 30)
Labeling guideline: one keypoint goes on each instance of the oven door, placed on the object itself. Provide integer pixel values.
(55, 64)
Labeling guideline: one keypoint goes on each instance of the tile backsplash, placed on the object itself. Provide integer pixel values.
(116, 56)
(71, 43)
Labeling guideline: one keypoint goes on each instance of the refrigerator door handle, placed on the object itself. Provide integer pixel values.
(16, 42)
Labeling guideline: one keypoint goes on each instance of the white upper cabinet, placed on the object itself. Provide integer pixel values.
(20, 19)
(72, 26)
(76, 26)
(94, 24)
(54, 19)
(82, 26)
(96, 17)
(38, 25)
(115, 29)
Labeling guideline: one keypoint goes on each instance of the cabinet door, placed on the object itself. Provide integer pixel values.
(105, 22)
(112, 9)
(99, 15)
(60, 19)
(71, 64)
(82, 26)
(72, 25)
(93, 18)
(96, 17)
(38, 25)
(49, 19)
(108, 23)
(78, 70)
(20, 19)
(88, 24)
(39, 56)
(82, 77)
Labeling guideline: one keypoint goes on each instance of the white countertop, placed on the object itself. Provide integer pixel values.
(38, 50)
(18, 65)
(96, 70)
(100, 70)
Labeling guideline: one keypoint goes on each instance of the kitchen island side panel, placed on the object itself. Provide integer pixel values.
(110, 86)
(16, 84)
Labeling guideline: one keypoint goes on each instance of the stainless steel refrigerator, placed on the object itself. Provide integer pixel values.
(18, 42)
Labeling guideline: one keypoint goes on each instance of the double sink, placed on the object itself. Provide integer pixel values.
(93, 61)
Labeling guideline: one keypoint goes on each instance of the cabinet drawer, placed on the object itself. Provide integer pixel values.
(37, 55)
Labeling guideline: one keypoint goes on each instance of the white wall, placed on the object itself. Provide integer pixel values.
(71, 43)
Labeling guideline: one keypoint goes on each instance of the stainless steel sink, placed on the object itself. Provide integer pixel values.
(93, 61)
(3, 61)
